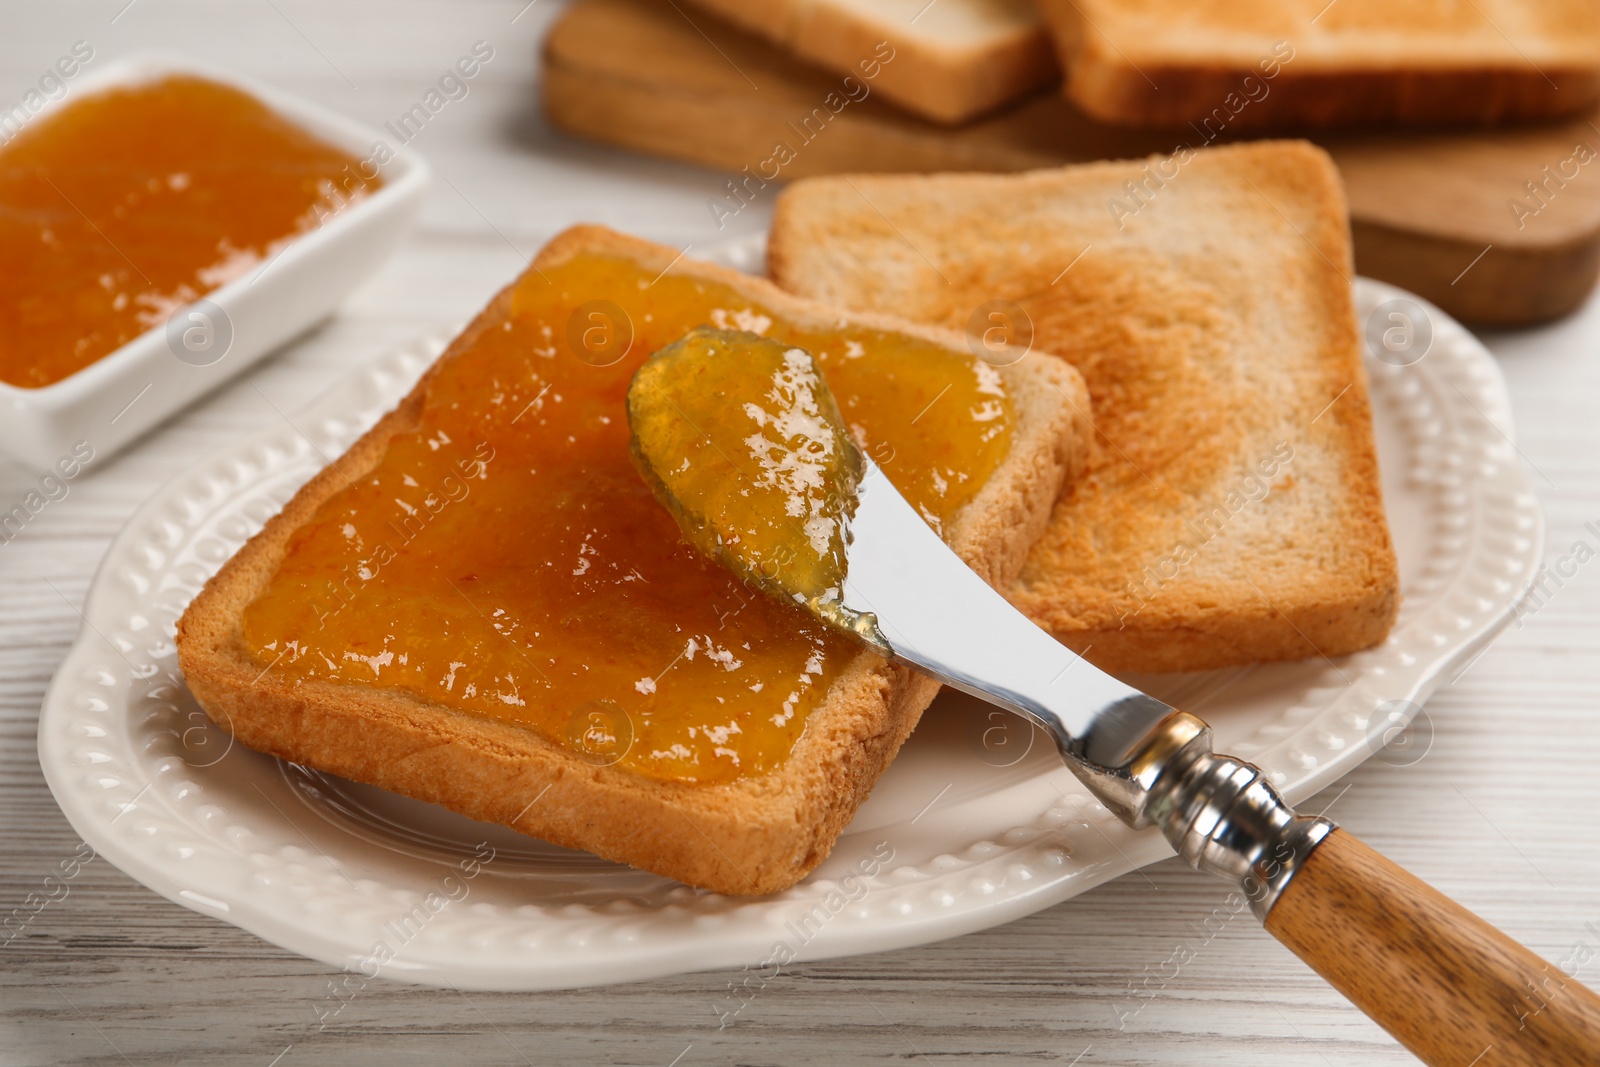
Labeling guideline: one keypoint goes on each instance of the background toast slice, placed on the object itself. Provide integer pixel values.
(1423, 206)
(1281, 64)
(755, 834)
(1233, 511)
(948, 61)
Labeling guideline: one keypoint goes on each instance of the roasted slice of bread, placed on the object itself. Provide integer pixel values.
(755, 834)
(948, 61)
(1233, 511)
(1280, 64)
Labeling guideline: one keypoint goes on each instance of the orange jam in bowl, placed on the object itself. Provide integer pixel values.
(506, 559)
(117, 208)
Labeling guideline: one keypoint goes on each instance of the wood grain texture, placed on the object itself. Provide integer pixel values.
(1449, 986)
(1432, 211)
(1495, 814)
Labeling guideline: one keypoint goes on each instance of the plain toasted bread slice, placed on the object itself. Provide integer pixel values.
(1281, 64)
(948, 61)
(755, 834)
(1233, 512)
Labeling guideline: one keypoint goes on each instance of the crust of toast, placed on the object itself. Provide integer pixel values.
(961, 59)
(1214, 325)
(754, 835)
(1161, 64)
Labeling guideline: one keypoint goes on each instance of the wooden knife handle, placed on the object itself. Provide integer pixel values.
(1450, 987)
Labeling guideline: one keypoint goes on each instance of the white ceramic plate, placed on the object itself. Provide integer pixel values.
(948, 843)
(115, 399)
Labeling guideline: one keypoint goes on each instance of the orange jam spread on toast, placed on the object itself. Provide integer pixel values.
(124, 205)
(744, 445)
(505, 558)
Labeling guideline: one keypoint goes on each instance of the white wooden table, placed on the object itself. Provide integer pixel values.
(1497, 814)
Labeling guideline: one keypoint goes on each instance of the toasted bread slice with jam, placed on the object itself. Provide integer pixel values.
(745, 834)
(1233, 511)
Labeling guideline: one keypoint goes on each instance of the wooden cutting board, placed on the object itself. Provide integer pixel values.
(1434, 212)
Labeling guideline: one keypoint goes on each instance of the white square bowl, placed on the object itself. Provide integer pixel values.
(118, 397)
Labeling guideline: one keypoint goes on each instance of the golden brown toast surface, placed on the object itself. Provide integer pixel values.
(1284, 64)
(949, 61)
(1232, 512)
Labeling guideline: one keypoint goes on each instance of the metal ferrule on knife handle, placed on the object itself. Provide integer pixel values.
(1222, 815)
